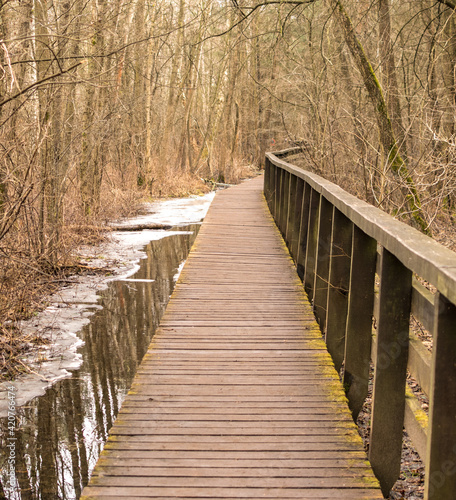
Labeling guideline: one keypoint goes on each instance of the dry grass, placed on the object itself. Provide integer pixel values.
(177, 185)
(13, 345)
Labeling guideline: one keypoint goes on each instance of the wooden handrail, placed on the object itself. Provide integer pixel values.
(357, 264)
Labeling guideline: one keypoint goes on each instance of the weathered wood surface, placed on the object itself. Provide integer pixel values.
(237, 396)
(395, 252)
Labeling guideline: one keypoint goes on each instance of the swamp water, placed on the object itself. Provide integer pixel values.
(57, 438)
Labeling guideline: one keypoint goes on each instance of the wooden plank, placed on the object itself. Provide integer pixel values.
(320, 444)
(338, 470)
(237, 396)
(222, 482)
(179, 458)
(420, 363)
(423, 305)
(416, 423)
(138, 492)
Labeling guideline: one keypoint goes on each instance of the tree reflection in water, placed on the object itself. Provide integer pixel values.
(60, 435)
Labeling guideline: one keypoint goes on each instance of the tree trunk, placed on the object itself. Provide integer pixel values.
(388, 65)
(387, 136)
(90, 165)
(173, 96)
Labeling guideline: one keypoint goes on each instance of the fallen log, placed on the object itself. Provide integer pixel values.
(217, 184)
(138, 227)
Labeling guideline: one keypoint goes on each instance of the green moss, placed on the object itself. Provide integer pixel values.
(419, 414)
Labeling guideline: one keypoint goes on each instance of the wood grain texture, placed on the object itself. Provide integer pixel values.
(237, 396)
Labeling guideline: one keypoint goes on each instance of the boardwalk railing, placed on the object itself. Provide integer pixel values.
(363, 272)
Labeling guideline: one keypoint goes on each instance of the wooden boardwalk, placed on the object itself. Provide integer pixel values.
(237, 396)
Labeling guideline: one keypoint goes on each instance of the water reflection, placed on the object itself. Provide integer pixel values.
(59, 436)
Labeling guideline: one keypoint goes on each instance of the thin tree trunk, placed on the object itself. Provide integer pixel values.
(390, 85)
(173, 96)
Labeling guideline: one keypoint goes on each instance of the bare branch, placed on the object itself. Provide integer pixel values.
(254, 9)
(448, 3)
(37, 84)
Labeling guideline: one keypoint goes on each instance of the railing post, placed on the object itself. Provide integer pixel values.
(441, 444)
(390, 365)
(280, 197)
(322, 264)
(358, 336)
(267, 181)
(311, 247)
(285, 203)
(289, 235)
(339, 282)
(302, 244)
(278, 181)
(297, 218)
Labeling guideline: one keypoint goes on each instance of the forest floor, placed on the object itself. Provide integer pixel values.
(410, 485)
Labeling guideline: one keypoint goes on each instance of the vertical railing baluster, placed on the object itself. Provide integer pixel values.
(297, 218)
(280, 198)
(339, 281)
(390, 368)
(302, 244)
(291, 228)
(267, 182)
(276, 189)
(322, 261)
(273, 180)
(285, 202)
(278, 178)
(358, 337)
(312, 236)
(441, 443)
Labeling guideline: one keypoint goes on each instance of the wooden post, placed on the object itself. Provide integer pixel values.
(267, 189)
(273, 183)
(358, 336)
(339, 282)
(282, 200)
(441, 447)
(285, 204)
(311, 247)
(297, 217)
(302, 245)
(293, 180)
(322, 263)
(390, 365)
(280, 203)
(279, 196)
(278, 182)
